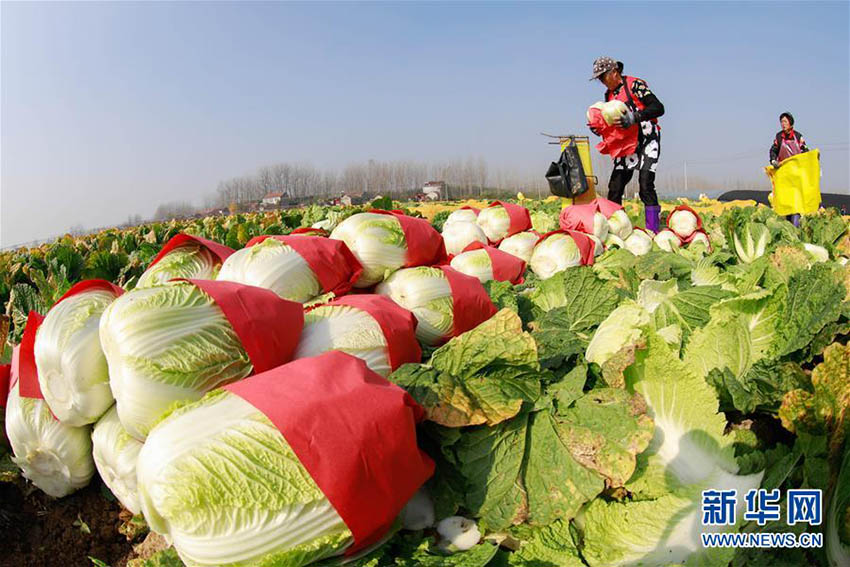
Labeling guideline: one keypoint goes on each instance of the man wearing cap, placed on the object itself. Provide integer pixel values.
(644, 108)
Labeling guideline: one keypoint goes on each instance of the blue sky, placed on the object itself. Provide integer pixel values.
(109, 109)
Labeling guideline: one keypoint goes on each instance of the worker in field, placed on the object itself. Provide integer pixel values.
(644, 108)
(787, 142)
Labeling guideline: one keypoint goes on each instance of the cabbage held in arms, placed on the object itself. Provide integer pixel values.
(55, 457)
(240, 478)
(115, 454)
(458, 235)
(298, 268)
(72, 369)
(174, 342)
(185, 256)
(520, 245)
(371, 327)
(612, 110)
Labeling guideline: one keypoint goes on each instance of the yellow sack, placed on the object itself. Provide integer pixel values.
(796, 184)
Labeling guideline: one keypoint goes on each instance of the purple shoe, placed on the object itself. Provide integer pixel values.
(652, 215)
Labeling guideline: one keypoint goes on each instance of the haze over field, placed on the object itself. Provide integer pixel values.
(110, 109)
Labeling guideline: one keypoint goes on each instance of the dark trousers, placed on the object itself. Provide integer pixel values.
(621, 177)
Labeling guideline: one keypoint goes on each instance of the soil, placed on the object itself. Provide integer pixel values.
(39, 531)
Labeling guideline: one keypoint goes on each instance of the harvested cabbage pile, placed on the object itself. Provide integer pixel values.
(574, 412)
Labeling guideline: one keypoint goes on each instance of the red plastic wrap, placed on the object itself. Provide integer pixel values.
(586, 245)
(607, 207)
(397, 323)
(685, 208)
(353, 431)
(26, 371)
(616, 141)
(87, 285)
(578, 217)
(268, 327)
(425, 245)
(506, 267)
(520, 218)
(219, 250)
(5, 383)
(309, 231)
(333, 263)
(471, 305)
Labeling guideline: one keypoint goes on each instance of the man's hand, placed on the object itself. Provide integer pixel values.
(626, 120)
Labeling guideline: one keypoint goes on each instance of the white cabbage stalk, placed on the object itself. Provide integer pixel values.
(418, 513)
(167, 344)
(495, 222)
(272, 265)
(542, 222)
(620, 224)
(667, 240)
(600, 226)
(461, 215)
(614, 241)
(426, 293)
(220, 482)
(72, 369)
(115, 454)
(348, 329)
(190, 260)
(555, 254)
(520, 245)
(683, 222)
(638, 243)
(819, 253)
(54, 456)
(458, 235)
(458, 533)
(475, 263)
(598, 247)
(377, 241)
(752, 242)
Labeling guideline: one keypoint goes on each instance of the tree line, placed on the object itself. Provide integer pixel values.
(471, 177)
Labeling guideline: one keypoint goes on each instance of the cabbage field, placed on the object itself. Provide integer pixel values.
(459, 384)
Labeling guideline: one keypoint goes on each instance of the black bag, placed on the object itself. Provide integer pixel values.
(566, 176)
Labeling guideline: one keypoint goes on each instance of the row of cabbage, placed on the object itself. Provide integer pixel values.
(559, 401)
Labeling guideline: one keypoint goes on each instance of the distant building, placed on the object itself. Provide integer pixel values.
(273, 199)
(434, 190)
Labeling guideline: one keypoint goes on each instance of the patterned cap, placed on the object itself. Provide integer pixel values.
(604, 64)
